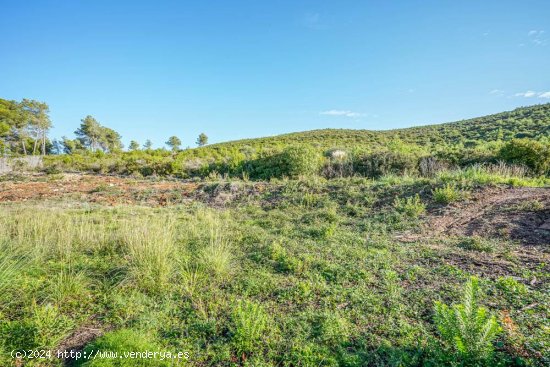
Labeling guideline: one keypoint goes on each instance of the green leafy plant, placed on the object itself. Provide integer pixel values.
(250, 321)
(446, 194)
(466, 328)
(411, 206)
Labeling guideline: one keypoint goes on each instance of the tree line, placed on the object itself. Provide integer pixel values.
(25, 124)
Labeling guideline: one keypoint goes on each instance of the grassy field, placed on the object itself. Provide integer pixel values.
(304, 272)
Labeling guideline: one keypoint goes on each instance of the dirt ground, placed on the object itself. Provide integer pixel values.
(517, 214)
(113, 190)
(90, 188)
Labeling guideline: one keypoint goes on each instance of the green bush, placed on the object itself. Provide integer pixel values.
(300, 161)
(466, 328)
(530, 153)
(293, 162)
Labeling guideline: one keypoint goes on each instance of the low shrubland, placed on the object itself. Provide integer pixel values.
(308, 273)
(329, 261)
(520, 157)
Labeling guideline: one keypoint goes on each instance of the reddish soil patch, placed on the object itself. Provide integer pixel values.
(518, 214)
(108, 190)
(113, 190)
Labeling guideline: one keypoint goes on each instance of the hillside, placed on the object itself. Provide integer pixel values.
(519, 137)
(524, 122)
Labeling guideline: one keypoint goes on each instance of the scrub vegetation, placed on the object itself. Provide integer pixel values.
(416, 247)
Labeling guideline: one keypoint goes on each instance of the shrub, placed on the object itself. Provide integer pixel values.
(338, 163)
(466, 328)
(381, 163)
(531, 153)
(300, 161)
(429, 166)
(446, 194)
(293, 162)
(250, 322)
(411, 206)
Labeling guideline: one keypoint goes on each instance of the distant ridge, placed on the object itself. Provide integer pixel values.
(531, 122)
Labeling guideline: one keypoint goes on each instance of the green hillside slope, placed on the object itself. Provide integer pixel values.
(531, 122)
(520, 136)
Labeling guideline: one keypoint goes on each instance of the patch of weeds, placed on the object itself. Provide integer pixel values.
(526, 206)
(216, 256)
(332, 329)
(284, 261)
(412, 206)
(476, 243)
(447, 194)
(149, 245)
(250, 323)
(44, 327)
(324, 231)
(105, 189)
(68, 288)
(120, 342)
(512, 290)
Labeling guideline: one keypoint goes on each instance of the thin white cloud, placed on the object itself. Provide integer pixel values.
(498, 92)
(537, 37)
(531, 94)
(345, 113)
(527, 94)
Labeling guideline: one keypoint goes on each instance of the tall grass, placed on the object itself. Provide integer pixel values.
(500, 173)
(9, 269)
(216, 255)
(46, 233)
(149, 246)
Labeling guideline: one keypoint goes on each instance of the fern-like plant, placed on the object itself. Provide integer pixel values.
(466, 328)
(250, 324)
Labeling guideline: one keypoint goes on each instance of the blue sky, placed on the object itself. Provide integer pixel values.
(238, 69)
